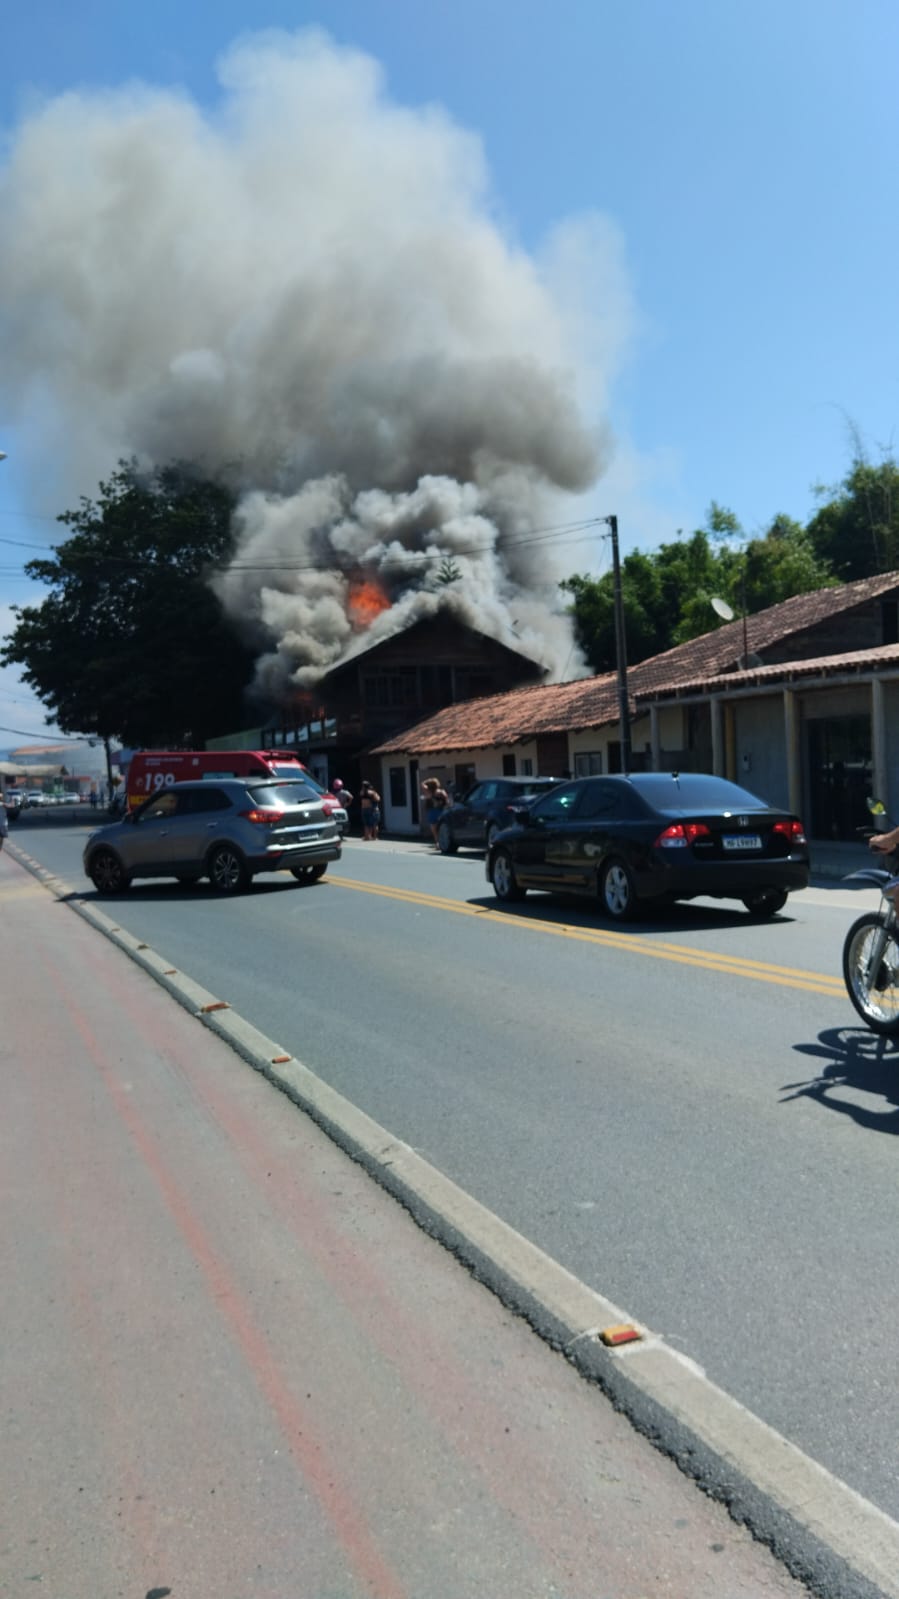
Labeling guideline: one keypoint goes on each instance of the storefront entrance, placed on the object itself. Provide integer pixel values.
(839, 776)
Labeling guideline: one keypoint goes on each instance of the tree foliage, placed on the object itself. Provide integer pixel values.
(130, 641)
(667, 593)
(856, 530)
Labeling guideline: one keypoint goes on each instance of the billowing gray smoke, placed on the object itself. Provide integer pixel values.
(307, 292)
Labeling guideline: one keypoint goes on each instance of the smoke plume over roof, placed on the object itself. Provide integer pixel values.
(307, 291)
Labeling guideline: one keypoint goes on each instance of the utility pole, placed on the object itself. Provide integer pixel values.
(624, 713)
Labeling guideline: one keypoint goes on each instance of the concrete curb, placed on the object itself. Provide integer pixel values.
(825, 1533)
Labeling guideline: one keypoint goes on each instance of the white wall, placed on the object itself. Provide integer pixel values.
(442, 764)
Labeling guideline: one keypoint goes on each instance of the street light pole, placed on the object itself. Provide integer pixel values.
(624, 713)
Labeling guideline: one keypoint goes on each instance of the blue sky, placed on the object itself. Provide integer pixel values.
(743, 156)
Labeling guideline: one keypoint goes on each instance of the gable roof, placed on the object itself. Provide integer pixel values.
(445, 618)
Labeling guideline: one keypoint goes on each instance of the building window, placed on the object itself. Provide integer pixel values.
(389, 687)
(472, 683)
(436, 685)
(508, 766)
(588, 763)
(527, 767)
(398, 794)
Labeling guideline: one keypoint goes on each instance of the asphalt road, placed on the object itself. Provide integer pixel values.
(685, 1114)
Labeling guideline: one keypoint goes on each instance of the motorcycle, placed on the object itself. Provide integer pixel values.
(871, 947)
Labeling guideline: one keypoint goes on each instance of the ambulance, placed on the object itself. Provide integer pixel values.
(151, 770)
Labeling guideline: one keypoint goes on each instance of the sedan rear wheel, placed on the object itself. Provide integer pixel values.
(107, 873)
(309, 874)
(767, 902)
(502, 874)
(616, 890)
(227, 869)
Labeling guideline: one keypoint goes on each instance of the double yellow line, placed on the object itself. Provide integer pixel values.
(634, 943)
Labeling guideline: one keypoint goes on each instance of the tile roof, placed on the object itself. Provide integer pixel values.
(508, 718)
(721, 649)
(884, 655)
(593, 701)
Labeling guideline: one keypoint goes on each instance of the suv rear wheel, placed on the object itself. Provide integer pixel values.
(309, 874)
(227, 870)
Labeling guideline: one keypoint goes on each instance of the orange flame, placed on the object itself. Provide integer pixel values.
(365, 601)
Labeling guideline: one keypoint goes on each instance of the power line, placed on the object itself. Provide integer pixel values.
(60, 738)
(567, 530)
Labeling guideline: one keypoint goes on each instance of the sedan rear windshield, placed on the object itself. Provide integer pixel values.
(694, 791)
(285, 796)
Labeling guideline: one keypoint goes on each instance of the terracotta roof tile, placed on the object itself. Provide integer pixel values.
(883, 655)
(722, 648)
(508, 718)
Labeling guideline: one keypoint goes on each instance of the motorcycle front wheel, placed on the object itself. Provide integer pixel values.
(872, 983)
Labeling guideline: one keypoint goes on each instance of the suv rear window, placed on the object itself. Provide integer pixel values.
(285, 795)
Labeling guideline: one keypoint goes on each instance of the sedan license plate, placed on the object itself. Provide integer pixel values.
(741, 841)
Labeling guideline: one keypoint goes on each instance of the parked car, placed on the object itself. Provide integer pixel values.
(649, 838)
(228, 831)
(480, 814)
(35, 796)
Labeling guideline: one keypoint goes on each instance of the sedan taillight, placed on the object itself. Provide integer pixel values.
(680, 834)
(793, 832)
(264, 817)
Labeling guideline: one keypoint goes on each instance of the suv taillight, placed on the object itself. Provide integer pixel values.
(265, 817)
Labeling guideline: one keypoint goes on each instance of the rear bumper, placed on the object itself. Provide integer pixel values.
(721, 879)
(318, 853)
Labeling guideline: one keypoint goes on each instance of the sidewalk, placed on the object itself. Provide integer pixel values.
(235, 1366)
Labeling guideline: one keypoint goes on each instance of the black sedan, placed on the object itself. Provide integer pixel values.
(652, 837)
(480, 814)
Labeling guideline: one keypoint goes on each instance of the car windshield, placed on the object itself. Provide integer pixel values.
(693, 791)
(298, 791)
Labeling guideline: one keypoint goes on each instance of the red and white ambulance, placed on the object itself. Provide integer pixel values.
(151, 770)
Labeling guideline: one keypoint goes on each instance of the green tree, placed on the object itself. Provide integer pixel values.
(130, 641)
(665, 597)
(782, 563)
(667, 593)
(856, 531)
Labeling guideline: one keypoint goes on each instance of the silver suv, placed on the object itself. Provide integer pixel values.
(227, 830)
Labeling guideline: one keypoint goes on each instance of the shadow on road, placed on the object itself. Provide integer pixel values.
(684, 916)
(148, 890)
(853, 1061)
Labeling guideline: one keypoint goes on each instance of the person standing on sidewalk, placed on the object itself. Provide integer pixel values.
(4, 824)
(435, 800)
(370, 806)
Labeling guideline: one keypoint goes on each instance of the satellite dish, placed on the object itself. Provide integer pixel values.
(722, 609)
